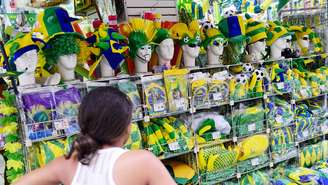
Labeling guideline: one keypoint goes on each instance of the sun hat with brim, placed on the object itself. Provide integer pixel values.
(211, 35)
(275, 33)
(17, 46)
(255, 30)
(56, 21)
(233, 28)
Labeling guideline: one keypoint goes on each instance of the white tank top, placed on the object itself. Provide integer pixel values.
(100, 169)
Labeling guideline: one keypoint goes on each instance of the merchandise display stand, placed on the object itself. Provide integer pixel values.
(247, 118)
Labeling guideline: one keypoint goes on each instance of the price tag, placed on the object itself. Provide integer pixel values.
(306, 134)
(180, 103)
(192, 110)
(280, 85)
(234, 139)
(217, 96)
(238, 175)
(293, 102)
(146, 119)
(323, 88)
(324, 129)
(232, 103)
(271, 164)
(265, 96)
(65, 124)
(279, 119)
(304, 93)
(174, 146)
(255, 161)
(216, 135)
(251, 127)
(268, 131)
(58, 125)
(158, 107)
(28, 143)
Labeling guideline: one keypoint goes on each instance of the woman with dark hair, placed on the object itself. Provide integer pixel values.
(97, 156)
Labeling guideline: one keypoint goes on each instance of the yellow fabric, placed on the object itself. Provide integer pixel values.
(252, 146)
(181, 170)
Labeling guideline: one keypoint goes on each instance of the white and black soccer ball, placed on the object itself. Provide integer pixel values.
(259, 74)
(229, 11)
(248, 68)
(207, 25)
(241, 79)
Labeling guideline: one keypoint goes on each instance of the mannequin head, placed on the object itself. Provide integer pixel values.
(165, 50)
(258, 49)
(216, 47)
(144, 53)
(67, 62)
(191, 51)
(105, 69)
(27, 62)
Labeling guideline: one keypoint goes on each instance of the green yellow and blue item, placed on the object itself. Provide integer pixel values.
(218, 88)
(155, 95)
(255, 178)
(111, 44)
(199, 89)
(275, 32)
(176, 86)
(238, 87)
(252, 146)
(279, 112)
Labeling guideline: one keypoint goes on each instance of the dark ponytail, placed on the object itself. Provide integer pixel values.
(104, 116)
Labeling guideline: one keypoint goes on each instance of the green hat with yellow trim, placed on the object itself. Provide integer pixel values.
(212, 35)
(161, 35)
(186, 35)
(17, 46)
(301, 31)
(255, 30)
(56, 21)
(275, 32)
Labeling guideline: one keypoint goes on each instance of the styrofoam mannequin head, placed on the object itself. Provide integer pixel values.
(288, 41)
(27, 62)
(144, 53)
(68, 62)
(258, 46)
(216, 50)
(165, 50)
(105, 69)
(280, 44)
(192, 52)
(304, 41)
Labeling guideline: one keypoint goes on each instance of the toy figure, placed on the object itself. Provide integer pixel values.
(189, 40)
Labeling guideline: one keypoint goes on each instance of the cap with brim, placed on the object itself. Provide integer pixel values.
(301, 31)
(233, 28)
(255, 30)
(181, 32)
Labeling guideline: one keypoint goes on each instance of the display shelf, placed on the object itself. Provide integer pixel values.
(288, 155)
(310, 98)
(214, 143)
(173, 155)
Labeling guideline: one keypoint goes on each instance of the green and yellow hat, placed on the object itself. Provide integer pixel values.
(56, 21)
(213, 36)
(17, 46)
(275, 32)
(233, 28)
(161, 35)
(301, 31)
(255, 30)
(185, 34)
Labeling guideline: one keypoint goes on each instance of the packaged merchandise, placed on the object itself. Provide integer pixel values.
(176, 86)
(181, 172)
(199, 89)
(134, 141)
(154, 95)
(131, 90)
(218, 88)
(279, 113)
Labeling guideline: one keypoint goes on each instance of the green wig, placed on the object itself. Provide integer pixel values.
(60, 45)
(137, 40)
(161, 35)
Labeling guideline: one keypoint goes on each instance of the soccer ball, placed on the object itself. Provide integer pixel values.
(248, 68)
(259, 74)
(229, 11)
(207, 25)
(241, 78)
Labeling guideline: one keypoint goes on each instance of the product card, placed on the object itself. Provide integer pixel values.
(174, 146)
(217, 96)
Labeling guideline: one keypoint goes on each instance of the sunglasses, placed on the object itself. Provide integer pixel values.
(305, 38)
(219, 42)
(193, 45)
